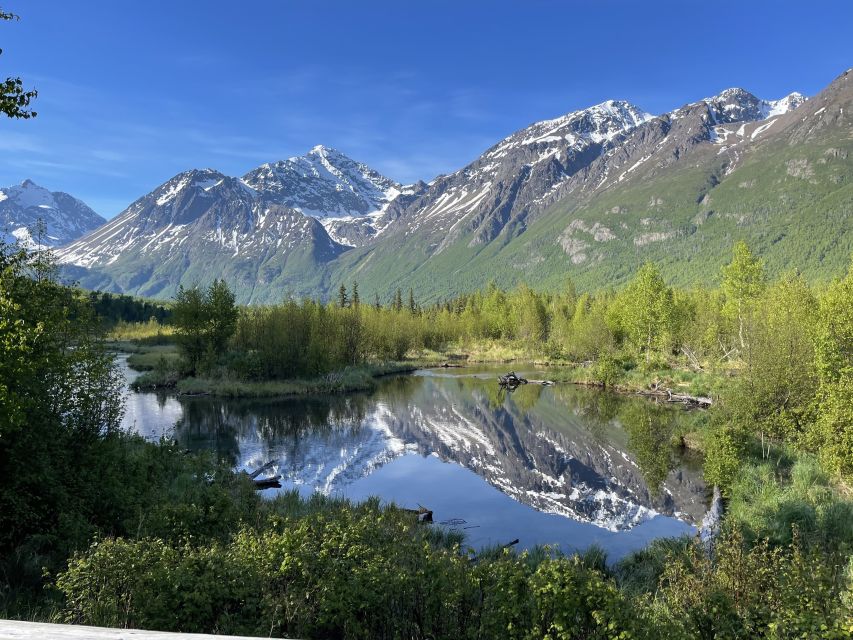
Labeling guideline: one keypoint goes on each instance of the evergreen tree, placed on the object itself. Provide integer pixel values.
(412, 307)
(398, 300)
(355, 299)
(343, 300)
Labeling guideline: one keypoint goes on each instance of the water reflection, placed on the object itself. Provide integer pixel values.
(582, 455)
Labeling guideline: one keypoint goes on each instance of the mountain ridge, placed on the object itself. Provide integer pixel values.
(528, 194)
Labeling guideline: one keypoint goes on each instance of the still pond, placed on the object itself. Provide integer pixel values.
(561, 465)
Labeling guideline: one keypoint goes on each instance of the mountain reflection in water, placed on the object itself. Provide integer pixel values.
(561, 465)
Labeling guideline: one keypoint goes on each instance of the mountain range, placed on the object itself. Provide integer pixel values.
(589, 195)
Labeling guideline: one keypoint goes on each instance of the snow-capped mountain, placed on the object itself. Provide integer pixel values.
(264, 229)
(327, 185)
(739, 105)
(515, 174)
(324, 183)
(572, 156)
(596, 191)
(23, 206)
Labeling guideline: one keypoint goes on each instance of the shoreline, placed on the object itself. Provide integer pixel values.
(350, 380)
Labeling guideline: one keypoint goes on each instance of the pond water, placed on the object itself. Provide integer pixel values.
(560, 465)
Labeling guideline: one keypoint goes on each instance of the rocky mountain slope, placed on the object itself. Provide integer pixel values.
(678, 189)
(348, 197)
(589, 195)
(268, 233)
(65, 218)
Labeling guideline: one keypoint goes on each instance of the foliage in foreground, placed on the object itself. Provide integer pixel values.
(367, 572)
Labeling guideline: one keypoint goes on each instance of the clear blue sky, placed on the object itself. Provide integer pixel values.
(133, 92)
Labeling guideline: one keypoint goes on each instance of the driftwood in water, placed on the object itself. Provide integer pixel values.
(268, 483)
(511, 380)
(424, 515)
(688, 399)
(264, 483)
(260, 470)
(662, 392)
(448, 365)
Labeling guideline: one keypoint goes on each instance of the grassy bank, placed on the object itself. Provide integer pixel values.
(351, 379)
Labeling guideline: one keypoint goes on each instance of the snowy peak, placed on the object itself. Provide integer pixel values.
(739, 105)
(65, 217)
(193, 181)
(609, 118)
(786, 104)
(595, 124)
(520, 175)
(324, 183)
(29, 194)
(270, 209)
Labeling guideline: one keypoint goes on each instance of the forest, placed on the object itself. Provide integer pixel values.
(98, 526)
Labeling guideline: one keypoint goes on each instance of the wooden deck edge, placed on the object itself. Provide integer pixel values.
(17, 630)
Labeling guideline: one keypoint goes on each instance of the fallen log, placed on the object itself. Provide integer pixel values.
(511, 380)
(669, 396)
(268, 483)
(688, 399)
(423, 514)
(500, 548)
(261, 469)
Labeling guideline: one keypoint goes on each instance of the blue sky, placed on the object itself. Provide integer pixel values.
(133, 92)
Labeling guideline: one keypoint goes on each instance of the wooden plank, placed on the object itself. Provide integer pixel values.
(16, 630)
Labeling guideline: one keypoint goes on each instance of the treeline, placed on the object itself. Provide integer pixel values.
(114, 308)
(297, 339)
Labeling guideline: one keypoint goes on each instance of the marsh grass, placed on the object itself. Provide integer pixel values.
(351, 379)
(771, 499)
(151, 332)
(149, 358)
